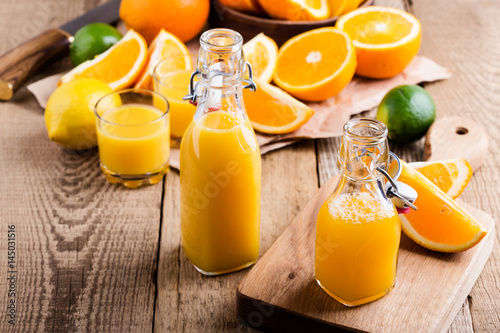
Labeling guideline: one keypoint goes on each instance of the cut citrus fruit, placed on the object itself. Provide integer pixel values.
(261, 52)
(349, 6)
(316, 65)
(451, 176)
(163, 46)
(336, 6)
(119, 66)
(386, 39)
(439, 224)
(271, 110)
(296, 10)
(246, 6)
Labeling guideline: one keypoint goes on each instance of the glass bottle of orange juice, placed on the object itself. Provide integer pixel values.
(358, 228)
(220, 164)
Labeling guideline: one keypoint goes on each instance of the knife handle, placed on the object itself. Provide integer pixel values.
(17, 64)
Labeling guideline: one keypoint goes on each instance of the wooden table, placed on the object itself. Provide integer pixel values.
(94, 257)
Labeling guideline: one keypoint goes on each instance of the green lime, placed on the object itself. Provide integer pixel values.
(91, 40)
(408, 111)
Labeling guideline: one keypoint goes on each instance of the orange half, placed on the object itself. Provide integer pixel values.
(386, 39)
(439, 224)
(119, 66)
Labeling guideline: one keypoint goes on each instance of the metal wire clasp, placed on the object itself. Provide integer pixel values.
(192, 97)
(251, 85)
(404, 193)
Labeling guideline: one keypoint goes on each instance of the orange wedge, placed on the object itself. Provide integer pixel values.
(316, 65)
(271, 110)
(439, 224)
(296, 10)
(119, 66)
(336, 6)
(163, 46)
(261, 52)
(386, 39)
(349, 6)
(451, 176)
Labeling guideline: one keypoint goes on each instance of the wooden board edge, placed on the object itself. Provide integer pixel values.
(476, 267)
(257, 314)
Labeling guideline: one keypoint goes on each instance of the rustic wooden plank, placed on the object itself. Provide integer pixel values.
(86, 251)
(190, 302)
(464, 37)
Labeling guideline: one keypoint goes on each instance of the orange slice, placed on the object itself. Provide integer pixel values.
(261, 52)
(246, 6)
(439, 224)
(119, 66)
(349, 6)
(316, 65)
(271, 110)
(336, 6)
(163, 46)
(386, 39)
(296, 10)
(451, 176)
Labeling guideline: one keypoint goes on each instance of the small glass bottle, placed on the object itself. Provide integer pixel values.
(220, 163)
(358, 229)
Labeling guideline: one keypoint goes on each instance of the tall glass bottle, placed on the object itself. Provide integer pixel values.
(220, 164)
(358, 228)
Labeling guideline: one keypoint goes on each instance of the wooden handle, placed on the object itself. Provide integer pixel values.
(17, 64)
(455, 137)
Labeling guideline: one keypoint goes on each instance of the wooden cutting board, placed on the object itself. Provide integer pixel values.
(280, 294)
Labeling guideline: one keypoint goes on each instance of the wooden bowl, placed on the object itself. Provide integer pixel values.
(249, 26)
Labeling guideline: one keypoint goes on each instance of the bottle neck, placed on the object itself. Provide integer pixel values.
(221, 65)
(364, 148)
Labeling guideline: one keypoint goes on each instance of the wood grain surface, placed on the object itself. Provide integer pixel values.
(99, 258)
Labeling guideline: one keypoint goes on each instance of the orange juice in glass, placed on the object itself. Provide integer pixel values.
(358, 229)
(171, 79)
(133, 136)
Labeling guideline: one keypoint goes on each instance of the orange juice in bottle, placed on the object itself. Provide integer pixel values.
(358, 229)
(220, 165)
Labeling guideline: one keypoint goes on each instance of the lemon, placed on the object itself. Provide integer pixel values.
(92, 40)
(408, 111)
(69, 115)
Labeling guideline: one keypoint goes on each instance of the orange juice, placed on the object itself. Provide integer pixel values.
(220, 193)
(357, 241)
(174, 86)
(133, 140)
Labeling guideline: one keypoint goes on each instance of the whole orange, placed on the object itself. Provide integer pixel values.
(183, 18)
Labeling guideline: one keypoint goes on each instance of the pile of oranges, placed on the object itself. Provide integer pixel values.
(294, 10)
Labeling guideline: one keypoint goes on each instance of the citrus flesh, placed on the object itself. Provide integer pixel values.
(261, 52)
(451, 176)
(296, 10)
(316, 65)
(271, 110)
(119, 66)
(386, 39)
(439, 224)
